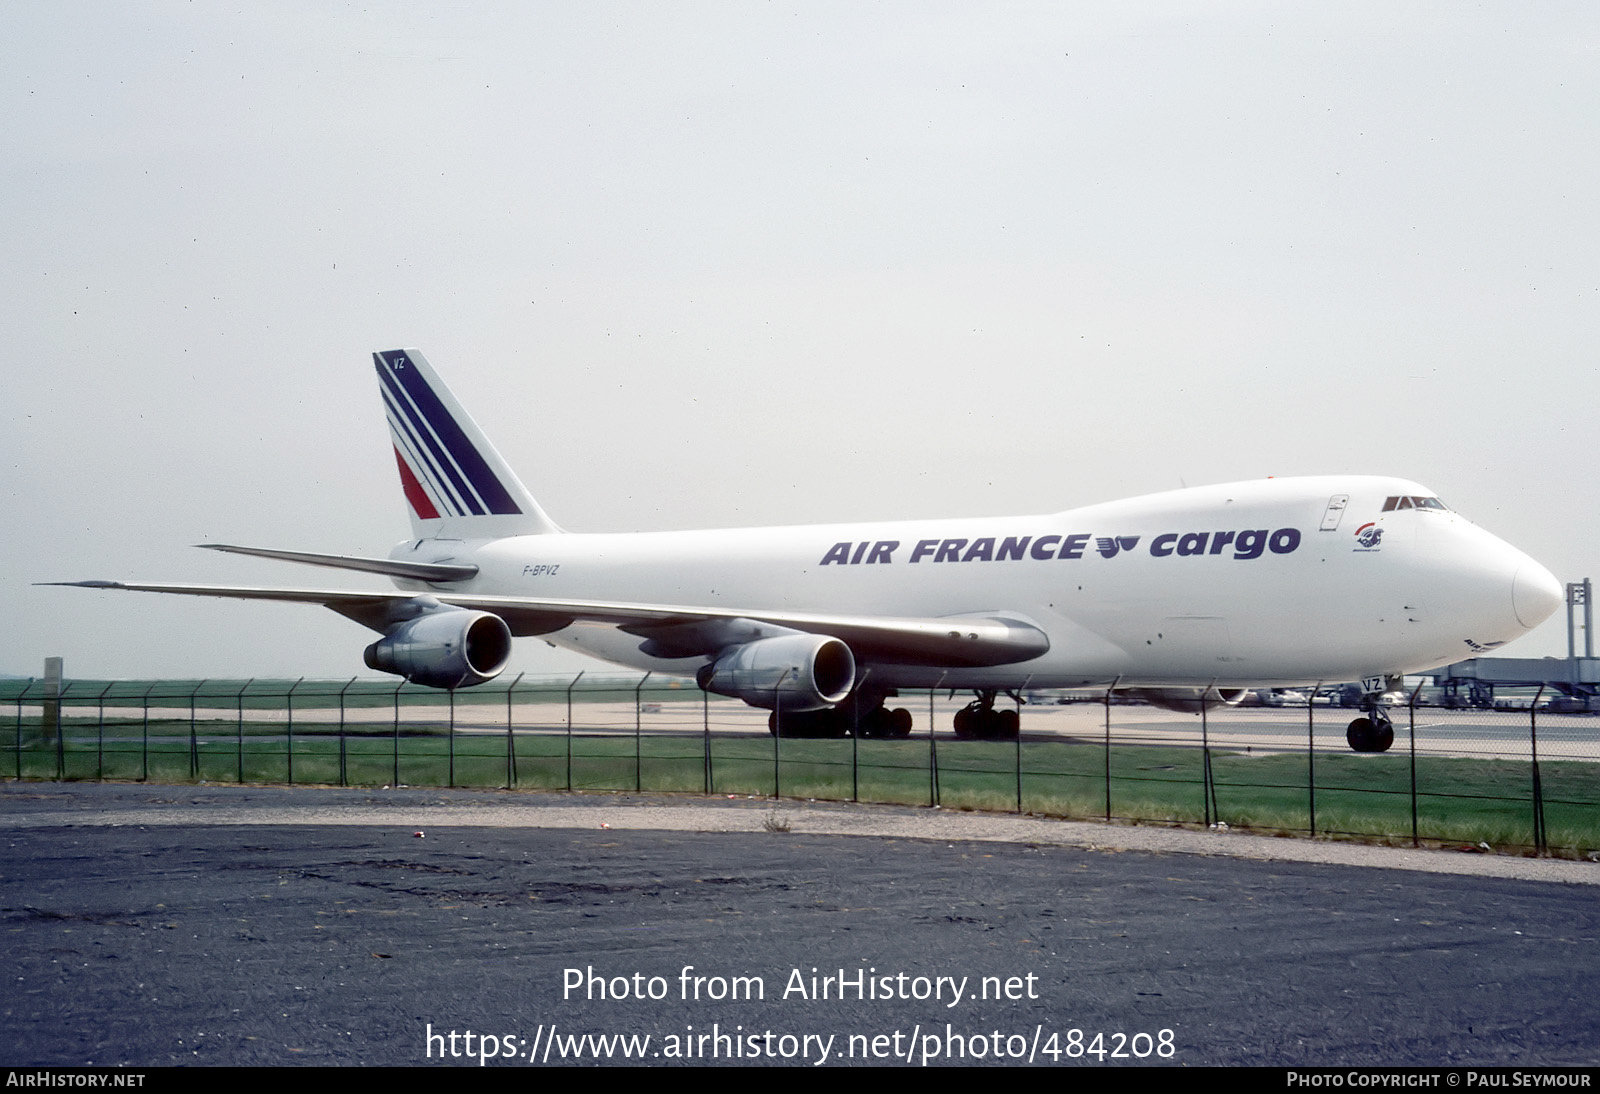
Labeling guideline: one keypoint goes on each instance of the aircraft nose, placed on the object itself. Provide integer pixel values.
(1535, 594)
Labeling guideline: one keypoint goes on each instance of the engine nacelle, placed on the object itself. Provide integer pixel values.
(1190, 700)
(798, 671)
(447, 648)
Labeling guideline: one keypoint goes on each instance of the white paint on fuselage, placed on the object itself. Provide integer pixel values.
(1433, 589)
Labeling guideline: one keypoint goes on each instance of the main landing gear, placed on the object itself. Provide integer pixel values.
(978, 720)
(1373, 732)
(863, 716)
(866, 716)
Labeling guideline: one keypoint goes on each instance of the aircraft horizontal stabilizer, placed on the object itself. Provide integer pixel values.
(419, 571)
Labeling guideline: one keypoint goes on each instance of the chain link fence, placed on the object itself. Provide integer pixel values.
(1524, 776)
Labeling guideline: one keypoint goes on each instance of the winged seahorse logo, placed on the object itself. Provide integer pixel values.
(1109, 546)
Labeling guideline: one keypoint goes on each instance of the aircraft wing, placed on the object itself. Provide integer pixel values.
(960, 641)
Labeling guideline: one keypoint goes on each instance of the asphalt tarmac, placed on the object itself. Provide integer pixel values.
(152, 925)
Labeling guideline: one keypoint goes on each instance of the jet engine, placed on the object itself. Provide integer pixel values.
(1190, 700)
(797, 671)
(446, 648)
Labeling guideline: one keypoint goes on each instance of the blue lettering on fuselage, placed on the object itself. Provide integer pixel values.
(879, 552)
(1245, 544)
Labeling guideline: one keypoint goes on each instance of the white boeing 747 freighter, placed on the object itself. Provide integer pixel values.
(1190, 596)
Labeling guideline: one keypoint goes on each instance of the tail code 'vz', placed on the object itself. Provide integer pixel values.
(456, 485)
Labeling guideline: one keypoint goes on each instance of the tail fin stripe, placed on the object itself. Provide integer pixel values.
(443, 480)
(479, 476)
(421, 504)
(428, 476)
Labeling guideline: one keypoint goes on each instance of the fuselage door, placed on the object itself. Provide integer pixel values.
(1335, 510)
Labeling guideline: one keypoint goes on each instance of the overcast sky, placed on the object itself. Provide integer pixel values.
(709, 264)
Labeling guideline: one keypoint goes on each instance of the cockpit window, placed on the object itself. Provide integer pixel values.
(1391, 504)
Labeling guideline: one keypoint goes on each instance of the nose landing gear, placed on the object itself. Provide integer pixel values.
(1371, 733)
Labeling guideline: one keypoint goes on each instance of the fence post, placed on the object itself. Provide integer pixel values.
(239, 701)
(855, 738)
(1109, 690)
(511, 740)
(933, 748)
(397, 687)
(144, 767)
(1206, 789)
(288, 730)
(777, 733)
(1538, 787)
(100, 735)
(570, 686)
(18, 741)
(705, 729)
(344, 772)
(1411, 732)
(1311, 757)
(450, 739)
(61, 735)
(1017, 695)
(638, 751)
(194, 744)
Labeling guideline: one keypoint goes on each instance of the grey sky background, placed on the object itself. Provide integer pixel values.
(713, 264)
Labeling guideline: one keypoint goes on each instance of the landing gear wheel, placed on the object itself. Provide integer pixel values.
(875, 723)
(964, 722)
(829, 722)
(1361, 735)
(861, 715)
(869, 726)
(1367, 735)
(979, 721)
(881, 723)
(1008, 724)
(899, 723)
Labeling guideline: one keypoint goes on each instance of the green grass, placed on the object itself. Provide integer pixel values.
(1458, 800)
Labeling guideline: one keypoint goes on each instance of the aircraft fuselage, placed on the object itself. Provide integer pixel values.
(1269, 583)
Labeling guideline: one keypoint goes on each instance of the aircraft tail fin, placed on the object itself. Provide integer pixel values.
(456, 485)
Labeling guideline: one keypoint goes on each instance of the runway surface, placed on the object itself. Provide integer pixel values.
(238, 925)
